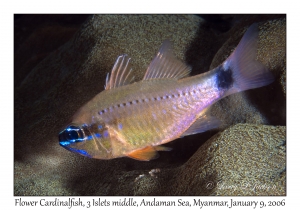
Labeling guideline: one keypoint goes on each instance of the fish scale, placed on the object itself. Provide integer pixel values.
(140, 127)
(135, 119)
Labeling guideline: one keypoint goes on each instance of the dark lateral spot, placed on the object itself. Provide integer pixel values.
(224, 78)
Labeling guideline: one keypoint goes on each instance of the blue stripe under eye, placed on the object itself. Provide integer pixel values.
(68, 142)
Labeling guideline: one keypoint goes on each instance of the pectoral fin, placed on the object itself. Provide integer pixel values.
(202, 124)
(147, 153)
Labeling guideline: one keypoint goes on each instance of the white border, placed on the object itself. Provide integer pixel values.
(8, 8)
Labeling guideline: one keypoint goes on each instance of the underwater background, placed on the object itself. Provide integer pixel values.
(61, 62)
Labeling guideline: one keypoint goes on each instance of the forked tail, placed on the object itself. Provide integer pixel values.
(241, 71)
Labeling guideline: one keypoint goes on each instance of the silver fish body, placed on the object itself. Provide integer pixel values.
(135, 119)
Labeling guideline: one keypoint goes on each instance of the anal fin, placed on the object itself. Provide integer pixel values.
(147, 153)
(202, 124)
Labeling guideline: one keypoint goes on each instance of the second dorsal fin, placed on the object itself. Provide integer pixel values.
(121, 73)
(166, 65)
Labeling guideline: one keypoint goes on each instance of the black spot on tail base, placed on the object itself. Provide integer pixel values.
(224, 78)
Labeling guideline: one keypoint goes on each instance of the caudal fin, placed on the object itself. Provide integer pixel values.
(247, 72)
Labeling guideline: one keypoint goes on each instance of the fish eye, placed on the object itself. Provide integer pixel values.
(70, 135)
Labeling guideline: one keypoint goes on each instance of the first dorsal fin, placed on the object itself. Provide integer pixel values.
(166, 65)
(147, 153)
(121, 73)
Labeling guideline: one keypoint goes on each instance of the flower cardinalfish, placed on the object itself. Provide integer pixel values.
(135, 119)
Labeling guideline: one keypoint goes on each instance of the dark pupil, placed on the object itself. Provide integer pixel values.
(72, 135)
